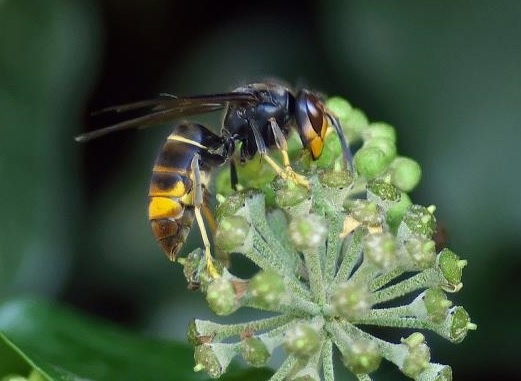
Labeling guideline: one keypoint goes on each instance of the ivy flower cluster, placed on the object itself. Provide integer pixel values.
(349, 252)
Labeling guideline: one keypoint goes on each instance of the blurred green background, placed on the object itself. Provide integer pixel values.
(446, 74)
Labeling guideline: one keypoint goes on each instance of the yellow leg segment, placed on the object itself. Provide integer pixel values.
(287, 173)
(282, 145)
(198, 202)
(210, 267)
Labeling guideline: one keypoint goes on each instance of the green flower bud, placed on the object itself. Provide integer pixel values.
(207, 360)
(351, 300)
(380, 249)
(192, 267)
(308, 232)
(380, 130)
(231, 233)
(230, 205)
(386, 145)
(460, 324)
(413, 340)
(266, 290)
(418, 357)
(339, 107)
(302, 340)
(362, 356)
(353, 120)
(365, 212)
(451, 267)
(370, 161)
(405, 173)
(420, 221)
(254, 351)
(288, 193)
(421, 253)
(382, 191)
(221, 296)
(332, 178)
(396, 212)
(416, 361)
(436, 304)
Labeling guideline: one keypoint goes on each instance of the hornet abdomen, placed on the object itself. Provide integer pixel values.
(171, 205)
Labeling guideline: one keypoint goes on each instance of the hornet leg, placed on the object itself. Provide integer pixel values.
(198, 204)
(282, 145)
(287, 172)
(346, 152)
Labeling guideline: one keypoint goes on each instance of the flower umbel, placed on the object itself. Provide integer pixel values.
(332, 260)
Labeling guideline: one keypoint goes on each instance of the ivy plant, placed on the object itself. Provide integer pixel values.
(350, 251)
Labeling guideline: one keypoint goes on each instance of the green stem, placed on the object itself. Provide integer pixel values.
(346, 332)
(264, 255)
(315, 274)
(257, 211)
(261, 256)
(366, 271)
(350, 258)
(284, 369)
(385, 278)
(327, 361)
(425, 279)
(223, 331)
(333, 247)
(386, 313)
(296, 305)
(328, 202)
(396, 322)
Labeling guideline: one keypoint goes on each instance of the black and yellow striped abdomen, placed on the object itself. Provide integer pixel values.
(171, 204)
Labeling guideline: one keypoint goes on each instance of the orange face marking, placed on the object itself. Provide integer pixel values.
(316, 146)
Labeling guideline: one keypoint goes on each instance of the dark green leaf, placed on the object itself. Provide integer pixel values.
(63, 345)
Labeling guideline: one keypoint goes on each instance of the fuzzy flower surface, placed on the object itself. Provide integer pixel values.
(333, 258)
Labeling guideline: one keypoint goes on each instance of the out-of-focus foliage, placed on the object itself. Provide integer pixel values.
(61, 345)
(46, 67)
(445, 74)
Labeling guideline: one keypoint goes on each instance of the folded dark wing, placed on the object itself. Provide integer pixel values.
(165, 109)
